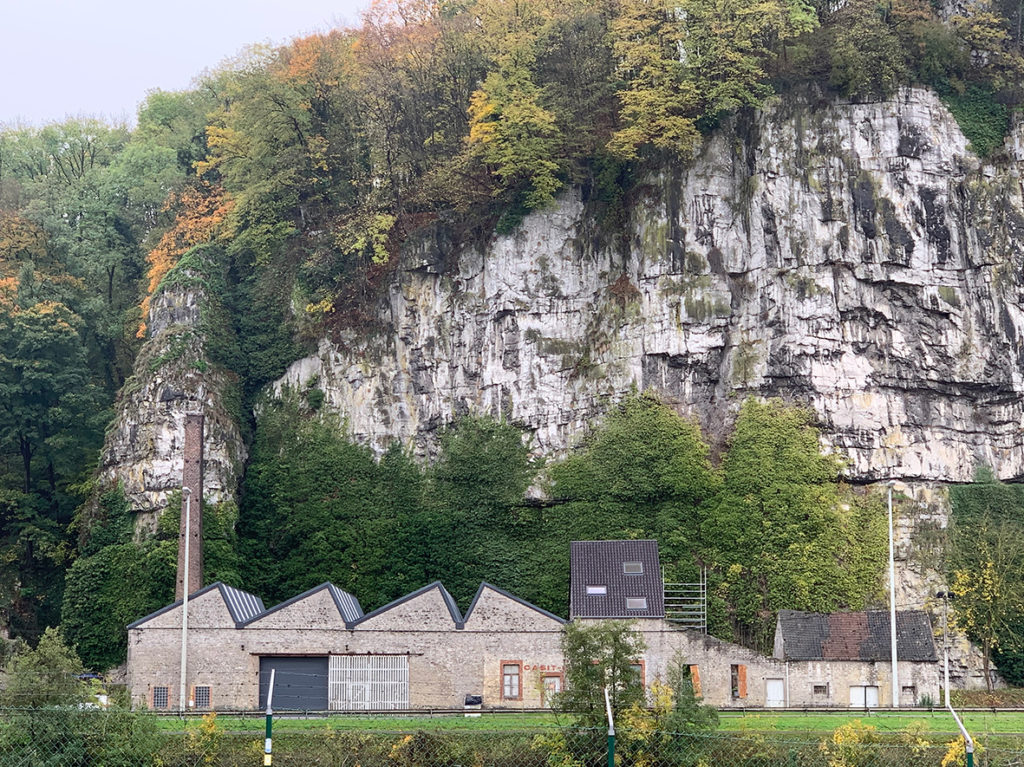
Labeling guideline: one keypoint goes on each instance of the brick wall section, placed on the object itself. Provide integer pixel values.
(192, 479)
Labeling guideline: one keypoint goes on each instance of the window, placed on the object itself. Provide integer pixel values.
(910, 692)
(738, 679)
(161, 700)
(638, 670)
(821, 689)
(551, 685)
(201, 696)
(597, 591)
(510, 687)
(695, 680)
(633, 568)
(636, 603)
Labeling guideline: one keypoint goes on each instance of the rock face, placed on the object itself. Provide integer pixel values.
(144, 448)
(855, 258)
(852, 257)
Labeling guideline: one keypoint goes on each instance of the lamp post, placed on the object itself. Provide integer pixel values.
(184, 599)
(892, 605)
(945, 646)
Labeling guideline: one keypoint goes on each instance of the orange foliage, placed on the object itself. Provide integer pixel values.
(202, 209)
(20, 241)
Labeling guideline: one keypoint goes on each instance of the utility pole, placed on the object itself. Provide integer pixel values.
(892, 606)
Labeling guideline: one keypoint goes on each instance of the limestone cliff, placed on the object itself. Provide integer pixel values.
(853, 257)
(173, 377)
(856, 258)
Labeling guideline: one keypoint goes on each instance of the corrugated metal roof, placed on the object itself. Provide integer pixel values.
(347, 604)
(601, 563)
(855, 635)
(242, 605)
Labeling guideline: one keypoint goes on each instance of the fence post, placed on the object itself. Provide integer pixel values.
(268, 748)
(611, 729)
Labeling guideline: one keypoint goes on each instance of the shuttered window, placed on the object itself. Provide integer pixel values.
(368, 682)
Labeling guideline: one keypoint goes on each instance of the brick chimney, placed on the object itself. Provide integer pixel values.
(192, 479)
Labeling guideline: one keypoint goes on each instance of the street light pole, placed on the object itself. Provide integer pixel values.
(184, 599)
(892, 606)
(945, 645)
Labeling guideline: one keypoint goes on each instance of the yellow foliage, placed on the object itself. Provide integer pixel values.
(956, 753)
(202, 210)
(849, 745)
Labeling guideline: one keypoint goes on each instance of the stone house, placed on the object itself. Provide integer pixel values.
(844, 659)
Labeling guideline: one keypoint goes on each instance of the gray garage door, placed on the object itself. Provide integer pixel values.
(300, 684)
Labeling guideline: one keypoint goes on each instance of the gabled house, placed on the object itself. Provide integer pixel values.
(844, 659)
(615, 580)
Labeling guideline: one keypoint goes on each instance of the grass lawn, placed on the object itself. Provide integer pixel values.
(488, 723)
(938, 721)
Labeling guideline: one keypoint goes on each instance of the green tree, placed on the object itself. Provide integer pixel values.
(599, 655)
(867, 59)
(784, 532)
(475, 490)
(986, 564)
(44, 676)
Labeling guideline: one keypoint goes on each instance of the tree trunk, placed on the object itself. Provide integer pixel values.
(25, 447)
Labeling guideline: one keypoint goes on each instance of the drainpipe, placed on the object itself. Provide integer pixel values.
(892, 606)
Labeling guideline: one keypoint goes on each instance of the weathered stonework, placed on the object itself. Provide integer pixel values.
(144, 447)
(852, 257)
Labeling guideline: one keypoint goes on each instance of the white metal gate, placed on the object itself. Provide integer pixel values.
(368, 682)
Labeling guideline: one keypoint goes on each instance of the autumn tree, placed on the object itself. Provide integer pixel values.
(201, 212)
(510, 131)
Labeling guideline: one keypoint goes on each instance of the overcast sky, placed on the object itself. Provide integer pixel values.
(99, 57)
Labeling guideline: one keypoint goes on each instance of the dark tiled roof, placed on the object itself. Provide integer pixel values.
(242, 605)
(600, 563)
(855, 636)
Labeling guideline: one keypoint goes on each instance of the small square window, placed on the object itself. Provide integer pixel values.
(160, 698)
(636, 603)
(633, 568)
(597, 591)
(202, 696)
(821, 689)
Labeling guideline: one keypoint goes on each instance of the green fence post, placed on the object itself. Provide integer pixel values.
(268, 747)
(611, 729)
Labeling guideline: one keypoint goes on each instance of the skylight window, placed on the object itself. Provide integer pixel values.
(633, 568)
(636, 603)
(597, 591)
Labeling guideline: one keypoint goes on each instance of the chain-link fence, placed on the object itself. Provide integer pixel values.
(76, 737)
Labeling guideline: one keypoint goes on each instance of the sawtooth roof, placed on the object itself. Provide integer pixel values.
(242, 605)
(348, 606)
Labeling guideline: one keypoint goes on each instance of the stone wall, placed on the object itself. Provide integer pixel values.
(446, 663)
